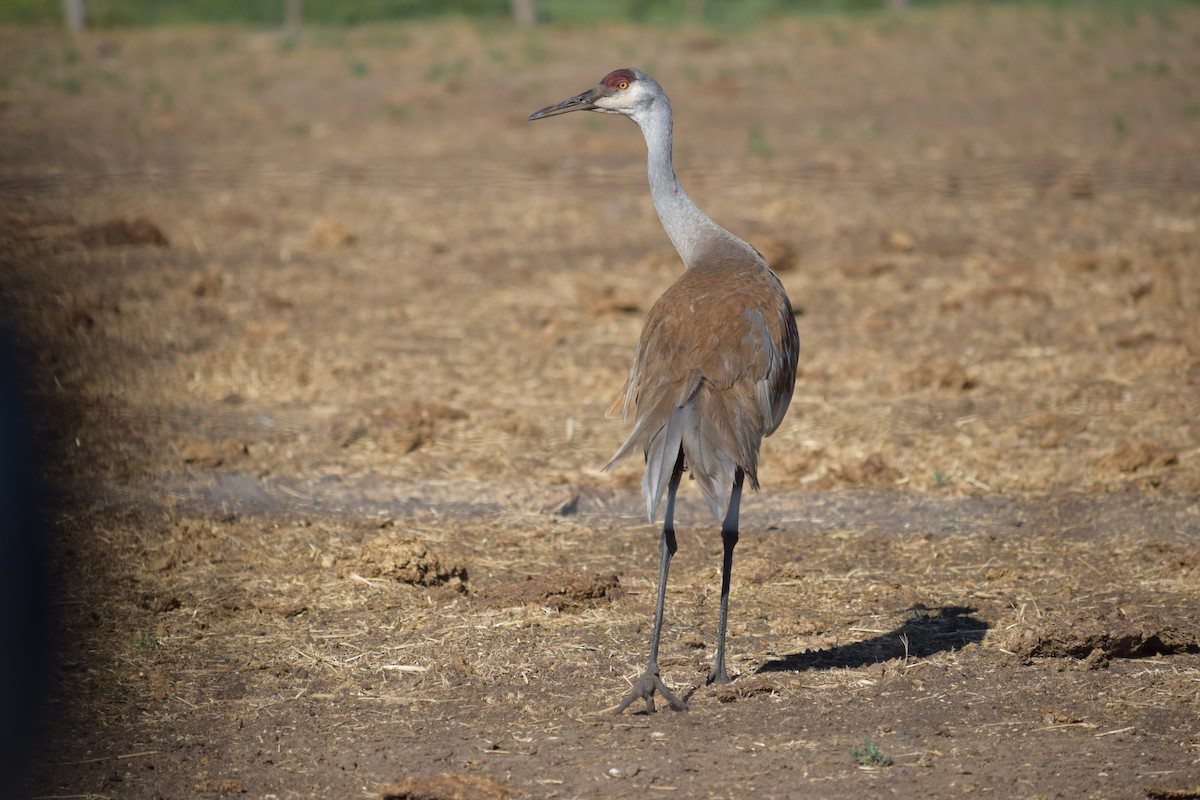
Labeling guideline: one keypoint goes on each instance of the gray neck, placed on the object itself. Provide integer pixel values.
(690, 229)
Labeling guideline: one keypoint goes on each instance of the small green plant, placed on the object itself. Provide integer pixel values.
(756, 142)
(70, 85)
(1158, 68)
(534, 51)
(870, 755)
(399, 112)
(837, 36)
(383, 36)
(145, 641)
(940, 478)
(499, 55)
(156, 95)
(443, 71)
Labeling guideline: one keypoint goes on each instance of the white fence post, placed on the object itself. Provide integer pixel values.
(76, 16)
(293, 14)
(524, 12)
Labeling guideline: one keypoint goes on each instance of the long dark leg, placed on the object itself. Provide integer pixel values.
(729, 538)
(650, 681)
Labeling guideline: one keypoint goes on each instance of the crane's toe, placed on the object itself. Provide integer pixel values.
(718, 675)
(645, 689)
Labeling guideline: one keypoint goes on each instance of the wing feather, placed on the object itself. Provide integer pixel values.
(713, 374)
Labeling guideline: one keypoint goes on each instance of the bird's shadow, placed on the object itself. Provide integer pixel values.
(926, 632)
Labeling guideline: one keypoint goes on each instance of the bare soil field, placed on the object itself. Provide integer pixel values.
(318, 335)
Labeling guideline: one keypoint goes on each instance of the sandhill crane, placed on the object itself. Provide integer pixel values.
(715, 365)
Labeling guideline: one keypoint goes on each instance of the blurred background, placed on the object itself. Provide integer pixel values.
(112, 13)
(966, 200)
(285, 279)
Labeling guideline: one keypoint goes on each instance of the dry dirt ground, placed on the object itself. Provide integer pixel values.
(318, 335)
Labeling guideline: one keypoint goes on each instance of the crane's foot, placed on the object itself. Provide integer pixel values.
(645, 689)
(718, 675)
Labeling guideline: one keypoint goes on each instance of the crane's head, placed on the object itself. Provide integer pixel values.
(623, 91)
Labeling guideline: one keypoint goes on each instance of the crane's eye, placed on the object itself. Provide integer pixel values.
(622, 85)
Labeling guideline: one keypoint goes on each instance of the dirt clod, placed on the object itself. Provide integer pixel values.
(1137, 456)
(897, 241)
(119, 232)
(937, 374)
(208, 454)
(1179, 788)
(748, 686)
(560, 590)
(328, 233)
(779, 253)
(448, 786)
(160, 604)
(403, 429)
(1096, 640)
(407, 560)
(872, 469)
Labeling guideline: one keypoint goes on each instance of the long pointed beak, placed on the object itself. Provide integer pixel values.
(584, 101)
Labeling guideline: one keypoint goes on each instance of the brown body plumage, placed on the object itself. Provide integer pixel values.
(713, 374)
(715, 364)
